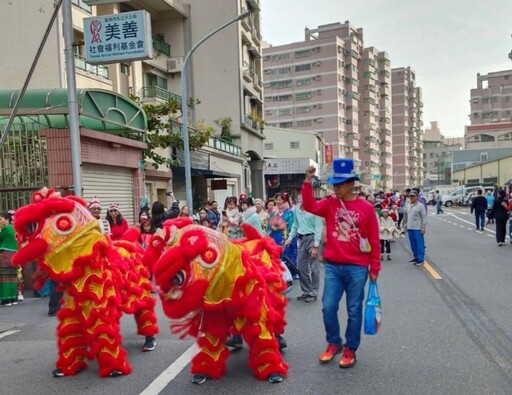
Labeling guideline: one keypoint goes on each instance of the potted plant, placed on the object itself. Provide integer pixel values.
(225, 128)
(257, 119)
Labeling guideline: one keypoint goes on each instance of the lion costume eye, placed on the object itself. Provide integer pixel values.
(179, 279)
(31, 228)
(209, 257)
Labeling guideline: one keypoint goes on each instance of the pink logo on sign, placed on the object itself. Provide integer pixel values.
(95, 30)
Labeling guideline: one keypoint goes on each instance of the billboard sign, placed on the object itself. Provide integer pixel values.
(118, 37)
(288, 166)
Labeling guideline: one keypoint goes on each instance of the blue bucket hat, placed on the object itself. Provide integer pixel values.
(342, 171)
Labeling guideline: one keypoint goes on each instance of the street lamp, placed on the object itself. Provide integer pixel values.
(184, 106)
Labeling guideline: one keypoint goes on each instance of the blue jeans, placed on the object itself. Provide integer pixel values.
(480, 219)
(417, 244)
(350, 279)
(439, 207)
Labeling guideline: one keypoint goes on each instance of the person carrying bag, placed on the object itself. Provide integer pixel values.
(373, 310)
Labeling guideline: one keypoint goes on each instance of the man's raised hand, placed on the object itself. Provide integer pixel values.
(310, 172)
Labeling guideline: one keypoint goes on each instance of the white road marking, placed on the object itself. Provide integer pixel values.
(471, 223)
(171, 372)
(8, 333)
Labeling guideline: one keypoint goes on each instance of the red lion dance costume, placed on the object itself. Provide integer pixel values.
(100, 279)
(209, 285)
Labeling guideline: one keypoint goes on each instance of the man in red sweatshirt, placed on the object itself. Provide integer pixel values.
(351, 255)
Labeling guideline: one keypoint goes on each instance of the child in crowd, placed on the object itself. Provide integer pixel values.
(387, 231)
(231, 219)
(146, 232)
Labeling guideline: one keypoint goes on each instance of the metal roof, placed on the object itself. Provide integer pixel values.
(99, 109)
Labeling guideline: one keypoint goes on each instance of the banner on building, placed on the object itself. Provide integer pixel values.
(328, 154)
(118, 37)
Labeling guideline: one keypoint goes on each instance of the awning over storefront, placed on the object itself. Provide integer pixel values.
(203, 172)
(99, 109)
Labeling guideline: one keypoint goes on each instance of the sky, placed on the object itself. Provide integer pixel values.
(446, 42)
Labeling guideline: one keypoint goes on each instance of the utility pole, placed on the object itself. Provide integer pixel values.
(73, 118)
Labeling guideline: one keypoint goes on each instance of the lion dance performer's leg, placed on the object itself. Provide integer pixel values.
(264, 355)
(106, 343)
(146, 318)
(211, 360)
(71, 341)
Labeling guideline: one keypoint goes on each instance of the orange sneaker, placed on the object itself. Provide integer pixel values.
(329, 353)
(348, 358)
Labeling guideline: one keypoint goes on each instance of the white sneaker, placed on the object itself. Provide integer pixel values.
(20, 297)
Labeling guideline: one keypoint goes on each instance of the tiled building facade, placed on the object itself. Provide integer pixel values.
(491, 111)
(407, 128)
(331, 83)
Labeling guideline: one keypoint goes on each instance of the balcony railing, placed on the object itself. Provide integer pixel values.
(222, 145)
(82, 5)
(248, 122)
(213, 142)
(248, 74)
(161, 46)
(157, 92)
(99, 70)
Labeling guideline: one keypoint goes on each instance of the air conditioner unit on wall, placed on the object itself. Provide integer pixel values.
(174, 65)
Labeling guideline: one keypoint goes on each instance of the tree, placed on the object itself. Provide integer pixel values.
(164, 131)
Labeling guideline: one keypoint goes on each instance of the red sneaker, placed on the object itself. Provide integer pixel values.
(348, 358)
(329, 353)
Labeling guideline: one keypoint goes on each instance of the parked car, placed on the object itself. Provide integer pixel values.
(459, 195)
(431, 198)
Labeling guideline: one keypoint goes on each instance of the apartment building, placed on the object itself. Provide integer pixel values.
(224, 76)
(331, 84)
(375, 115)
(407, 129)
(438, 155)
(491, 111)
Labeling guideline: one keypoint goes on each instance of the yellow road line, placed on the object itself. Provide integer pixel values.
(432, 271)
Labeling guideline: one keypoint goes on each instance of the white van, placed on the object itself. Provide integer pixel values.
(443, 190)
(458, 195)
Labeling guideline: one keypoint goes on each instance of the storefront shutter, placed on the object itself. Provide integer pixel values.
(110, 185)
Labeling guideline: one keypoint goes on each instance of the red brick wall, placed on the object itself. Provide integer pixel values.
(96, 148)
(60, 173)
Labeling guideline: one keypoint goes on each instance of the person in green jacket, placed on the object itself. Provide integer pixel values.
(8, 272)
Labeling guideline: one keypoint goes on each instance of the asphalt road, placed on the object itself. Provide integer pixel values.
(446, 330)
